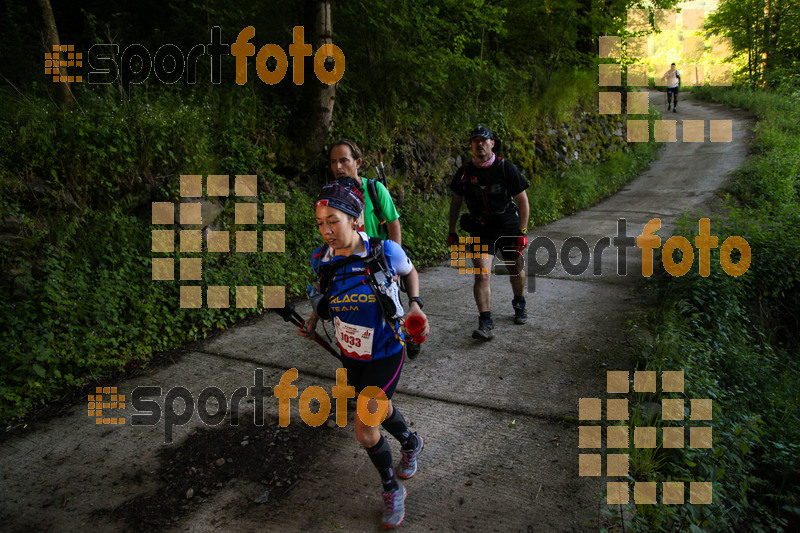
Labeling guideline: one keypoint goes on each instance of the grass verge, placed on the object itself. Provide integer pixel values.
(736, 340)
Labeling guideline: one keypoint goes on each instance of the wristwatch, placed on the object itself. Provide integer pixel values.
(415, 299)
(523, 231)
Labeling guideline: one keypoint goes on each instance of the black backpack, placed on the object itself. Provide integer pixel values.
(376, 272)
(372, 190)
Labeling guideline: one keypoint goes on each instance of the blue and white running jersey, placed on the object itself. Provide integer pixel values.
(362, 332)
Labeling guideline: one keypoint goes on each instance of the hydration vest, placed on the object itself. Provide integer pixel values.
(376, 273)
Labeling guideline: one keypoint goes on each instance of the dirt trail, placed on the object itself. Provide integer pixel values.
(499, 418)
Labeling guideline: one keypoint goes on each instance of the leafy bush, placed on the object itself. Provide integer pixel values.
(736, 339)
(423, 229)
(109, 149)
(91, 309)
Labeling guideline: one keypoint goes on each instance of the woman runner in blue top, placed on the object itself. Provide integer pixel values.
(371, 344)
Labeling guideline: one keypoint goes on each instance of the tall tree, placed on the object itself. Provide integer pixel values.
(63, 92)
(767, 32)
(313, 117)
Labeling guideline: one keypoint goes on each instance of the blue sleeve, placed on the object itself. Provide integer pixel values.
(397, 258)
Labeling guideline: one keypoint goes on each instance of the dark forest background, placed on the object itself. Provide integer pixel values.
(81, 163)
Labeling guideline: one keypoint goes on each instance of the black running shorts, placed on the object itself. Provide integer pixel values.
(383, 373)
(504, 243)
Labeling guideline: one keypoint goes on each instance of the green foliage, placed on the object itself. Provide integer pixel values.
(766, 34)
(705, 327)
(736, 339)
(428, 49)
(769, 180)
(109, 150)
(90, 308)
(421, 218)
(67, 329)
(454, 63)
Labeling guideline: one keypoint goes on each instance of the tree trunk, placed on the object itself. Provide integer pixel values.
(313, 119)
(750, 47)
(63, 93)
(766, 39)
(775, 34)
(586, 40)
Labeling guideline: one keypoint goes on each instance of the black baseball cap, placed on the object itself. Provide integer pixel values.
(481, 131)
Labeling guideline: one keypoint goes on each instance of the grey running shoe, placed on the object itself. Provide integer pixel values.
(484, 331)
(408, 464)
(394, 507)
(520, 314)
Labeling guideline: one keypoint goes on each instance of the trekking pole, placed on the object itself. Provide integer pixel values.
(381, 173)
(288, 314)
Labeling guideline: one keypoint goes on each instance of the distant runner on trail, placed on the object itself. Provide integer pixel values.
(354, 271)
(673, 79)
(383, 222)
(498, 214)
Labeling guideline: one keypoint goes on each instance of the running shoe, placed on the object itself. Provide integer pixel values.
(520, 314)
(408, 464)
(484, 331)
(394, 507)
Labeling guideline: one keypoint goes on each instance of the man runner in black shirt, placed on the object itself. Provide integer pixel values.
(498, 214)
